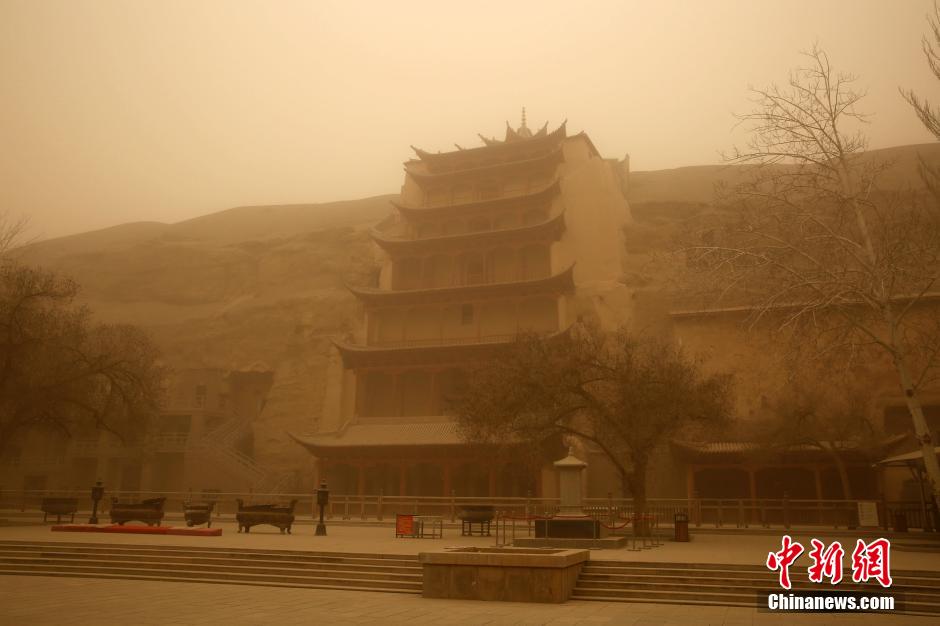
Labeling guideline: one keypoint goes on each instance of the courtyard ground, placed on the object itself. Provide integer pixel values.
(37, 600)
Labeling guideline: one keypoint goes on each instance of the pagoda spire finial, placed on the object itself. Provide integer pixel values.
(523, 118)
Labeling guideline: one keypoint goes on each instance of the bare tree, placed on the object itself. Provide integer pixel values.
(928, 114)
(817, 409)
(59, 371)
(622, 393)
(814, 247)
(12, 231)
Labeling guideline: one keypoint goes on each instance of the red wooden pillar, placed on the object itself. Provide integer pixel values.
(402, 478)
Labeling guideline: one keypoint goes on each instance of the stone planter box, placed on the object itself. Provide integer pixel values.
(506, 574)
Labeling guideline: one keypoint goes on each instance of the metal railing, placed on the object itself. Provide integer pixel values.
(701, 512)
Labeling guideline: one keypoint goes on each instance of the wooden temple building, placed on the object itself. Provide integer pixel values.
(519, 234)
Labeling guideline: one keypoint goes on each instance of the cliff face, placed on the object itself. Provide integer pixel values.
(262, 288)
(257, 288)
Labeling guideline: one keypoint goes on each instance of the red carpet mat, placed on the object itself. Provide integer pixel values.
(138, 530)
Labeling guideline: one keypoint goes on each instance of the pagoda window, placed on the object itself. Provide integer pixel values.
(534, 216)
(463, 193)
(536, 262)
(478, 224)
(538, 314)
(416, 393)
(438, 271)
(466, 314)
(472, 268)
(501, 265)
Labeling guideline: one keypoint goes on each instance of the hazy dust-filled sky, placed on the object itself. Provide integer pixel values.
(120, 111)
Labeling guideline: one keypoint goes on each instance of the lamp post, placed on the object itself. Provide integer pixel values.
(96, 493)
(323, 498)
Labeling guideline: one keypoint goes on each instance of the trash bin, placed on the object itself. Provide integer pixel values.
(900, 522)
(681, 522)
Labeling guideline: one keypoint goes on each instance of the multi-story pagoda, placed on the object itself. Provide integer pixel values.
(519, 234)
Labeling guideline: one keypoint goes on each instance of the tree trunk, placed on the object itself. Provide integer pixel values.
(843, 474)
(638, 486)
(921, 430)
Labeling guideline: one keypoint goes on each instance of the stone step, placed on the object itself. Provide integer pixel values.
(185, 551)
(224, 576)
(350, 565)
(206, 580)
(380, 575)
(765, 580)
(705, 567)
(708, 599)
(918, 594)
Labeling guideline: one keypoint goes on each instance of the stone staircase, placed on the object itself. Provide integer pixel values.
(731, 585)
(275, 568)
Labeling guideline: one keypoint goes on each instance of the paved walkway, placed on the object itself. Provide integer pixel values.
(38, 601)
(704, 548)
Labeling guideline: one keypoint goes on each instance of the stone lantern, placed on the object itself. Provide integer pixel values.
(570, 471)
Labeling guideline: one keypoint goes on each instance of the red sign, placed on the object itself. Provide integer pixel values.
(404, 525)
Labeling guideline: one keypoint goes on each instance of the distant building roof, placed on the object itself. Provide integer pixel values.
(385, 432)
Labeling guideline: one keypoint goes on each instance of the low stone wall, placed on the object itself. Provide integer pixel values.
(505, 574)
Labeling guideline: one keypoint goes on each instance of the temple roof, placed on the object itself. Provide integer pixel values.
(545, 193)
(714, 448)
(550, 157)
(376, 432)
(562, 282)
(521, 140)
(550, 229)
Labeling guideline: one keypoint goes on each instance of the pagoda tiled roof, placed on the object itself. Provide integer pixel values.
(562, 282)
(552, 157)
(493, 148)
(491, 204)
(549, 229)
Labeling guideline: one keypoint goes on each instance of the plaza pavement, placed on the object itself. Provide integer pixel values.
(35, 600)
(744, 549)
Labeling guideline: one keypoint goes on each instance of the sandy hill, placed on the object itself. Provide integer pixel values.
(266, 283)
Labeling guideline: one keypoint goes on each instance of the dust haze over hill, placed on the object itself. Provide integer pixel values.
(266, 284)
